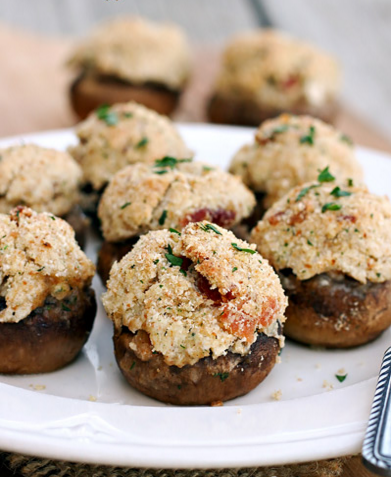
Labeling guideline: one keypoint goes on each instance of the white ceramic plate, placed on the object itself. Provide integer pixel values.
(87, 412)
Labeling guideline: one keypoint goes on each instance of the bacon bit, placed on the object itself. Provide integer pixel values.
(276, 218)
(292, 80)
(333, 261)
(204, 287)
(297, 218)
(350, 218)
(222, 217)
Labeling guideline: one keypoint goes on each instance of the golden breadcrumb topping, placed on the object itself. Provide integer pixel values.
(197, 293)
(290, 150)
(43, 179)
(327, 226)
(39, 256)
(136, 50)
(278, 71)
(171, 193)
(112, 138)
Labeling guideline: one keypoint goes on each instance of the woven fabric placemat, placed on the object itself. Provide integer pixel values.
(24, 466)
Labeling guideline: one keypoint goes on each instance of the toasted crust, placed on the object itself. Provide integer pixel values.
(135, 134)
(195, 294)
(136, 50)
(140, 198)
(43, 179)
(39, 257)
(50, 337)
(291, 150)
(277, 71)
(312, 231)
(335, 311)
(89, 91)
(207, 381)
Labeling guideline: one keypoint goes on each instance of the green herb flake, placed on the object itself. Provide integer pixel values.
(222, 376)
(207, 168)
(346, 138)
(174, 261)
(64, 307)
(53, 218)
(234, 269)
(133, 365)
(350, 182)
(156, 261)
(104, 114)
(163, 217)
(183, 347)
(170, 162)
(308, 138)
(305, 191)
(240, 249)
(338, 192)
(40, 269)
(125, 205)
(341, 378)
(174, 231)
(142, 143)
(331, 206)
(208, 227)
(378, 275)
(310, 243)
(184, 273)
(325, 175)
(161, 172)
(128, 115)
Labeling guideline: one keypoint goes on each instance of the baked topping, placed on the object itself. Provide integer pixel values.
(138, 51)
(326, 226)
(38, 257)
(44, 179)
(278, 71)
(196, 293)
(171, 194)
(290, 150)
(112, 138)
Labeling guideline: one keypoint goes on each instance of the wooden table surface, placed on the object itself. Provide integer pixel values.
(34, 83)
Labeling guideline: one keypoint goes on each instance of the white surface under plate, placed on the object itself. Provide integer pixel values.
(87, 412)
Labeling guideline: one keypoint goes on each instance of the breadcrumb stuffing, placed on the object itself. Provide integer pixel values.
(38, 387)
(278, 71)
(133, 134)
(328, 386)
(181, 290)
(328, 227)
(140, 198)
(289, 151)
(39, 256)
(136, 50)
(43, 179)
(277, 395)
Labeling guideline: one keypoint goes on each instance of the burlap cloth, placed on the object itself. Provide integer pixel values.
(36, 85)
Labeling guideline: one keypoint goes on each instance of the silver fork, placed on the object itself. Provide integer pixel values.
(376, 451)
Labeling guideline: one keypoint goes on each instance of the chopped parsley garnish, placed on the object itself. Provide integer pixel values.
(378, 275)
(142, 143)
(350, 182)
(222, 376)
(176, 261)
(338, 192)
(310, 243)
(104, 114)
(64, 307)
(208, 227)
(347, 139)
(184, 347)
(305, 191)
(40, 269)
(174, 231)
(156, 261)
(125, 205)
(53, 218)
(207, 168)
(280, 129)
(163, 217)
(170, 162)
(184, 273)
(240, 249)
(331, 206)
(325, 175)
(161, 172)
(234, 269)
(341, 378)
(128, 115)
(308, 138)
(133, 365)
